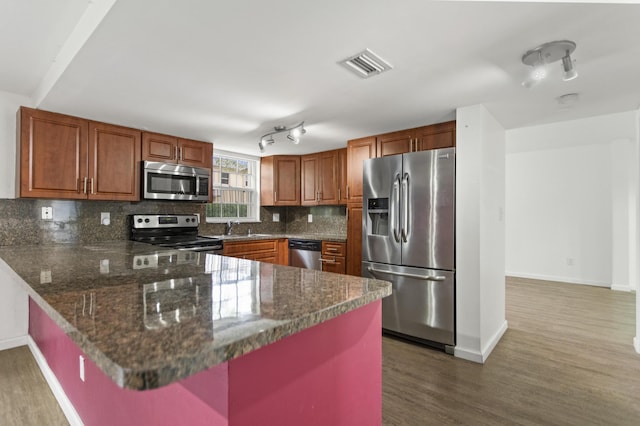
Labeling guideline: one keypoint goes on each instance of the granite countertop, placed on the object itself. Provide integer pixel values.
(149, 317)
(254, 237)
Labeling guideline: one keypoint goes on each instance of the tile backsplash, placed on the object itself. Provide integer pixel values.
(79, 221)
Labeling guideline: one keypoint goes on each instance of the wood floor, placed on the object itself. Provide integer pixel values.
(25, 397)
(566, 359)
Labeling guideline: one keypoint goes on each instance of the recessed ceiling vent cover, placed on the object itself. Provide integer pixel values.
(366, 64)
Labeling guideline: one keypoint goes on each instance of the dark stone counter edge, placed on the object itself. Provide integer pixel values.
(320, 237)
(197, 362)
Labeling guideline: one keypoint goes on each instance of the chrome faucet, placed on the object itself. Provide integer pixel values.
(229, 226)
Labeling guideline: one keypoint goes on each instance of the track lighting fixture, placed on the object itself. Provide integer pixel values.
(294, 135)
(546, 53)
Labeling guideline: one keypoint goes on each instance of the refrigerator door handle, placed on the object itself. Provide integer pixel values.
(400, 274)
(395, 205)
(405, 207)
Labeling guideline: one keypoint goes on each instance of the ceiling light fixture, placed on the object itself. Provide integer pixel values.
(546, 53)
(294, 135)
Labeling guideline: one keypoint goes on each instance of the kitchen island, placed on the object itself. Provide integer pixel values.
(178, 337)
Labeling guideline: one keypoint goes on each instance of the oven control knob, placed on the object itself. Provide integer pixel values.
(188, 220)
(139, 220)
(146, 220)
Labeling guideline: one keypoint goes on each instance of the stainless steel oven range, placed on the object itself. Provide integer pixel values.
(176, 231)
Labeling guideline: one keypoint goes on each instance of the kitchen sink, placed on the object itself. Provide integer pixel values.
(236, 236)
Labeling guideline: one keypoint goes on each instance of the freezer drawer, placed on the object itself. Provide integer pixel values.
(422, 304)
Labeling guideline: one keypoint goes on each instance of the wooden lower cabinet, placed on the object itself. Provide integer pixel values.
(260, 250)
(354, 239)
(333, 257)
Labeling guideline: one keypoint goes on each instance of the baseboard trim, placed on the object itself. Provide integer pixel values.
(557, 279)
(13, 343)
(481, 357)
(469, 355)
(490, 346)
(65, 404)
(621, 288)
(636, 344)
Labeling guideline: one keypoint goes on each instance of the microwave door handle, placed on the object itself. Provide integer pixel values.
(395, 205)
(405, 207)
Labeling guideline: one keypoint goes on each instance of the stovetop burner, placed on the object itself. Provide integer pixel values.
(171, 231)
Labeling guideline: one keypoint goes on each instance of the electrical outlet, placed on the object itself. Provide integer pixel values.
(47, 213)
(309, 218)
(105, 218)
(81, 368)
(45, 276)
(104, 266)
(276, 217)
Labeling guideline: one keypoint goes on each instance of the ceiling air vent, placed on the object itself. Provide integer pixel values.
(366, 64)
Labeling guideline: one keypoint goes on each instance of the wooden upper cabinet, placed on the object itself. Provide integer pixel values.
(328, 177)
(280, 180)
(52, 155)
(73, 158)
(157, 147)
(358, 150)
(114, 162)
(342, 176)
(435, 136)
(170, 149)
(396, 143)
(195, 153)
(309, 183)
(320, 178)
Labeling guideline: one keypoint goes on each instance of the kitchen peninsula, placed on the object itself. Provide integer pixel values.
(173, 337)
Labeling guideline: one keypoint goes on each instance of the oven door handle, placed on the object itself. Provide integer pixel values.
(206, 248)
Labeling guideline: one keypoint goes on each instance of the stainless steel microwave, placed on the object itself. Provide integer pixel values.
(166, 181)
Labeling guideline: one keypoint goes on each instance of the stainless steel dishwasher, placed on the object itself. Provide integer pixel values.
(305, 253)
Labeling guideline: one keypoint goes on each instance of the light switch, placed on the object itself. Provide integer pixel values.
(309, 218)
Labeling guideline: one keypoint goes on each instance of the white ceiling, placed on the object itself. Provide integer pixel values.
(228, 71)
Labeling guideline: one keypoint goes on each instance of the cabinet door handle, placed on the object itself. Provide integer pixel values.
(175, 153)
(92, 186)
(275, 196)
(347, 197)
(84, 185)
(332, 249)
(328, 260)
(180, 154)
(339, 195)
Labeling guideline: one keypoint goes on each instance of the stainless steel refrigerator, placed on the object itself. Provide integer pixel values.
(408, 238)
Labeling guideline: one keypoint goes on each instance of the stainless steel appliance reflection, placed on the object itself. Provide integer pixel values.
(408, 239)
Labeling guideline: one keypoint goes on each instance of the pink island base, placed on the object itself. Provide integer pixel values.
(329, 374)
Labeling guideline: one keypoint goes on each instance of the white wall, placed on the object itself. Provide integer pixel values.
(9, 104)
(13, 298)
(480, 233)
(635, 176)
(570, 201)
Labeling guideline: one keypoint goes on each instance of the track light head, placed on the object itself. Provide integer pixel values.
(294, 135)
